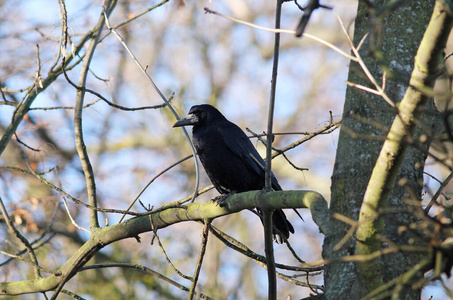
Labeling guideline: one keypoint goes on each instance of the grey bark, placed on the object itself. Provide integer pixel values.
(392, 43)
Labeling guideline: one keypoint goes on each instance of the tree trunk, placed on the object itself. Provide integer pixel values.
(394, 35)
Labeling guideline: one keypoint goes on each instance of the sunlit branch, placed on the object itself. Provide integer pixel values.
(72, 220)
(292, 32)
(380, 90)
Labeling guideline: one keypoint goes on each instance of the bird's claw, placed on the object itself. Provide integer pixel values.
(221, 199)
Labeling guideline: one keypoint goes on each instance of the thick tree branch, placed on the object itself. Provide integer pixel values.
(194, 211)
(267, 214)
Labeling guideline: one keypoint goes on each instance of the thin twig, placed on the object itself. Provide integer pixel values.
(325, 130)
(141, 14)
(167, 102)
(276, 149)
(72, 294)
(379, 89)
(156, 236)
(72, 220)
(34, 264)
(116, 211)
(38, 78)
(241, 248)
(438, 192)
(293, 252)
(64, 107)
(204, 243)
(146, 270)
(6, 261)
(151, 181)
(382, 291)
(349, 234)
(78, 131)
(80, 144)
(244, 250)
(363, 88)
(23, 106)
(292, 32)
(24, 144)
(110, 103)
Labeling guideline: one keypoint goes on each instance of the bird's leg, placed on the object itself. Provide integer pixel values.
(221, 199)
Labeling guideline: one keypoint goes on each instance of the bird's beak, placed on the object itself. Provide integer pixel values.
(191, 119)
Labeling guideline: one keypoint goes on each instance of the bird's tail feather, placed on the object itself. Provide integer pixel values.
(281, 226)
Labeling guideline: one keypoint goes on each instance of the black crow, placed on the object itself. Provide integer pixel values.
(230, 159)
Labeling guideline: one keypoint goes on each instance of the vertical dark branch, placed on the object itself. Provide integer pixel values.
(270, 118)
(267, 214)
(269, 251)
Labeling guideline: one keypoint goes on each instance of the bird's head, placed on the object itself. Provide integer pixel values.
(199, 115)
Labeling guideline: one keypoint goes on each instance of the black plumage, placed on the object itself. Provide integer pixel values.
(230, 159)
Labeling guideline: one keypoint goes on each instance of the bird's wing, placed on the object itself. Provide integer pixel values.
(238, 142)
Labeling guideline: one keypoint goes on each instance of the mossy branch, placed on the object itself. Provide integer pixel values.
(191, 212)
